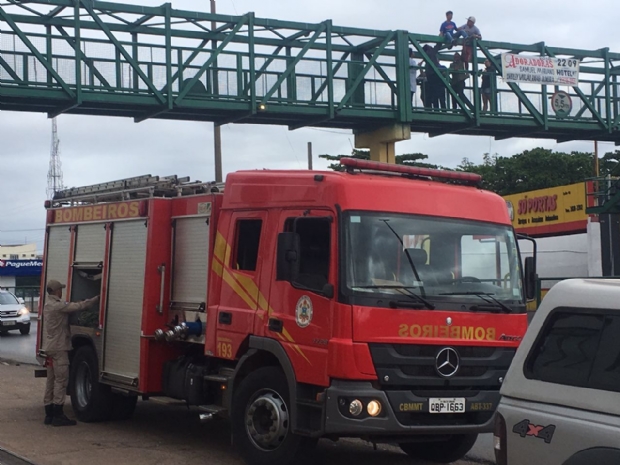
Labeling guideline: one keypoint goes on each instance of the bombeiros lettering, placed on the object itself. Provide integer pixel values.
(477, 333)
(115, 211)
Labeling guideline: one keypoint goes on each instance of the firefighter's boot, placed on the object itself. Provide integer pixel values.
(49, 414)
(60, 419)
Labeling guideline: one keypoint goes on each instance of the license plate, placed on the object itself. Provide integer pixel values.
(446, 405)
(8, 323)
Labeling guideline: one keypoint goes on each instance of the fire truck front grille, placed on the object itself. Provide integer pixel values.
(8, 313)
(414, 367)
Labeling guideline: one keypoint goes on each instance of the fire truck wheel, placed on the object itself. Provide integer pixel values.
(447, 451)
(260, 419)
(91, 400)
(123, 406)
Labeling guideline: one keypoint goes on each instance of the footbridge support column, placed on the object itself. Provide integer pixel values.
(382, 141)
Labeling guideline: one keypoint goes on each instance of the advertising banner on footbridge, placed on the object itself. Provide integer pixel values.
(540, 70)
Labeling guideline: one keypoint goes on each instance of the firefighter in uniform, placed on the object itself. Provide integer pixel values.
(57, 344)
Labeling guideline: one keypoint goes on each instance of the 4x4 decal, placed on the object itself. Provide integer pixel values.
(525, 428)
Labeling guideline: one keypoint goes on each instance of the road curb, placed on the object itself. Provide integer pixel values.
(9, 458)
(17, 363)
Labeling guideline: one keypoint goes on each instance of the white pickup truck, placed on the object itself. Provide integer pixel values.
(561, 397)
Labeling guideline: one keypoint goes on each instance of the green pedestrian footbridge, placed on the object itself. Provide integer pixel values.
(102, 58)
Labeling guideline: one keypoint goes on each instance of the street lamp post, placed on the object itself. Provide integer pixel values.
(217, 134)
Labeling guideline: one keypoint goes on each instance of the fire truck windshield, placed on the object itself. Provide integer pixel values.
(453, 264)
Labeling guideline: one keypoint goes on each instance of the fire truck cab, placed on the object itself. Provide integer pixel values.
(383, 302)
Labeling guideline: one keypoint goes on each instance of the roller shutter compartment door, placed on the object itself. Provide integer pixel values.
(191, 249)
(57, 256)
(58, 248)
(125, 299)
(90, 243)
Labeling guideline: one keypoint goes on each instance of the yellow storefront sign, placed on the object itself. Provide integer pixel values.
(550, 211)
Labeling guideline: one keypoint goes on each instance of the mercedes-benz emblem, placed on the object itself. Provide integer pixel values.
(447, 362)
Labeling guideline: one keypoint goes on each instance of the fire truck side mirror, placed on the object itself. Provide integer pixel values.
(288, 256)
(530, 278)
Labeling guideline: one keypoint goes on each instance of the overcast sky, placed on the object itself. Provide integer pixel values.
(98, 149)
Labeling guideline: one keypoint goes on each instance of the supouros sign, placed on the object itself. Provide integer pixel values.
(549, 211)
(102, 212)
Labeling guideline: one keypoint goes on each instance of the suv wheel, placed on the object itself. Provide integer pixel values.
(25, 329)
(447, 451)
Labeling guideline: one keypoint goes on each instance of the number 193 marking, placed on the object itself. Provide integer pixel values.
(224, 350)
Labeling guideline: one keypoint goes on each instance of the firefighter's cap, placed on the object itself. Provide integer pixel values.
(53, 285)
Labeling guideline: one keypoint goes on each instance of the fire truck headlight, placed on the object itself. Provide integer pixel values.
(374, 408)
(356, 407)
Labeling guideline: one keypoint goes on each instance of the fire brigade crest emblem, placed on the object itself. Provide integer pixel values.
(303, 312)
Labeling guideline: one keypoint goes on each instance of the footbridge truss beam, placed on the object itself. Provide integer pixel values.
(103, 58)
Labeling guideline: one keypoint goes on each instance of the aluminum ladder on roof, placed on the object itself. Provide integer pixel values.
(134, 188)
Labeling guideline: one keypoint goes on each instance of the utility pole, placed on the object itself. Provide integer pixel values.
(217, 133)
(596, 164)
(310, 156)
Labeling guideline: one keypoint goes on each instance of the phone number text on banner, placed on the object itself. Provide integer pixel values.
(540, 70)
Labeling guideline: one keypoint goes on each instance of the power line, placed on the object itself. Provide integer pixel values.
(333, 132)
(20, 230)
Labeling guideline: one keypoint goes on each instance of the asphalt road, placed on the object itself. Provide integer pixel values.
(14, 346)
(158, 433)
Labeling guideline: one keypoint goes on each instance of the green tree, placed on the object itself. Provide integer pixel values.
(356, 153)
(609, 164)
(535, 169)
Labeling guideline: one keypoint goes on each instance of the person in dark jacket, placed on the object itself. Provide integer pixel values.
(435, 89)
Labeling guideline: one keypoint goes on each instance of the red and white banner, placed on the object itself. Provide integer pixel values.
(540, 70)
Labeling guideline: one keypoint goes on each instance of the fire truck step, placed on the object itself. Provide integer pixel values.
(217, 379)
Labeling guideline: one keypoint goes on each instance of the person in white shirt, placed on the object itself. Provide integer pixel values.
(413, 74)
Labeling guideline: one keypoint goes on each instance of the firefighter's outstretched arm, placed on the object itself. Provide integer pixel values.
(77, 306)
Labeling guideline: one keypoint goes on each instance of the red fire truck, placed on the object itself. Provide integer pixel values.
(383, 302)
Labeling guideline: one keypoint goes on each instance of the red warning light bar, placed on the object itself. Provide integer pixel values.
(458, 176)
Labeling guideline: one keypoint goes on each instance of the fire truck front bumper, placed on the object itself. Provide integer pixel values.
(349, 405)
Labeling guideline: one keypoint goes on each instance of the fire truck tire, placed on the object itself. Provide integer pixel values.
(447, 451)
(261, 423)
(91, 400)
(123, 406)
